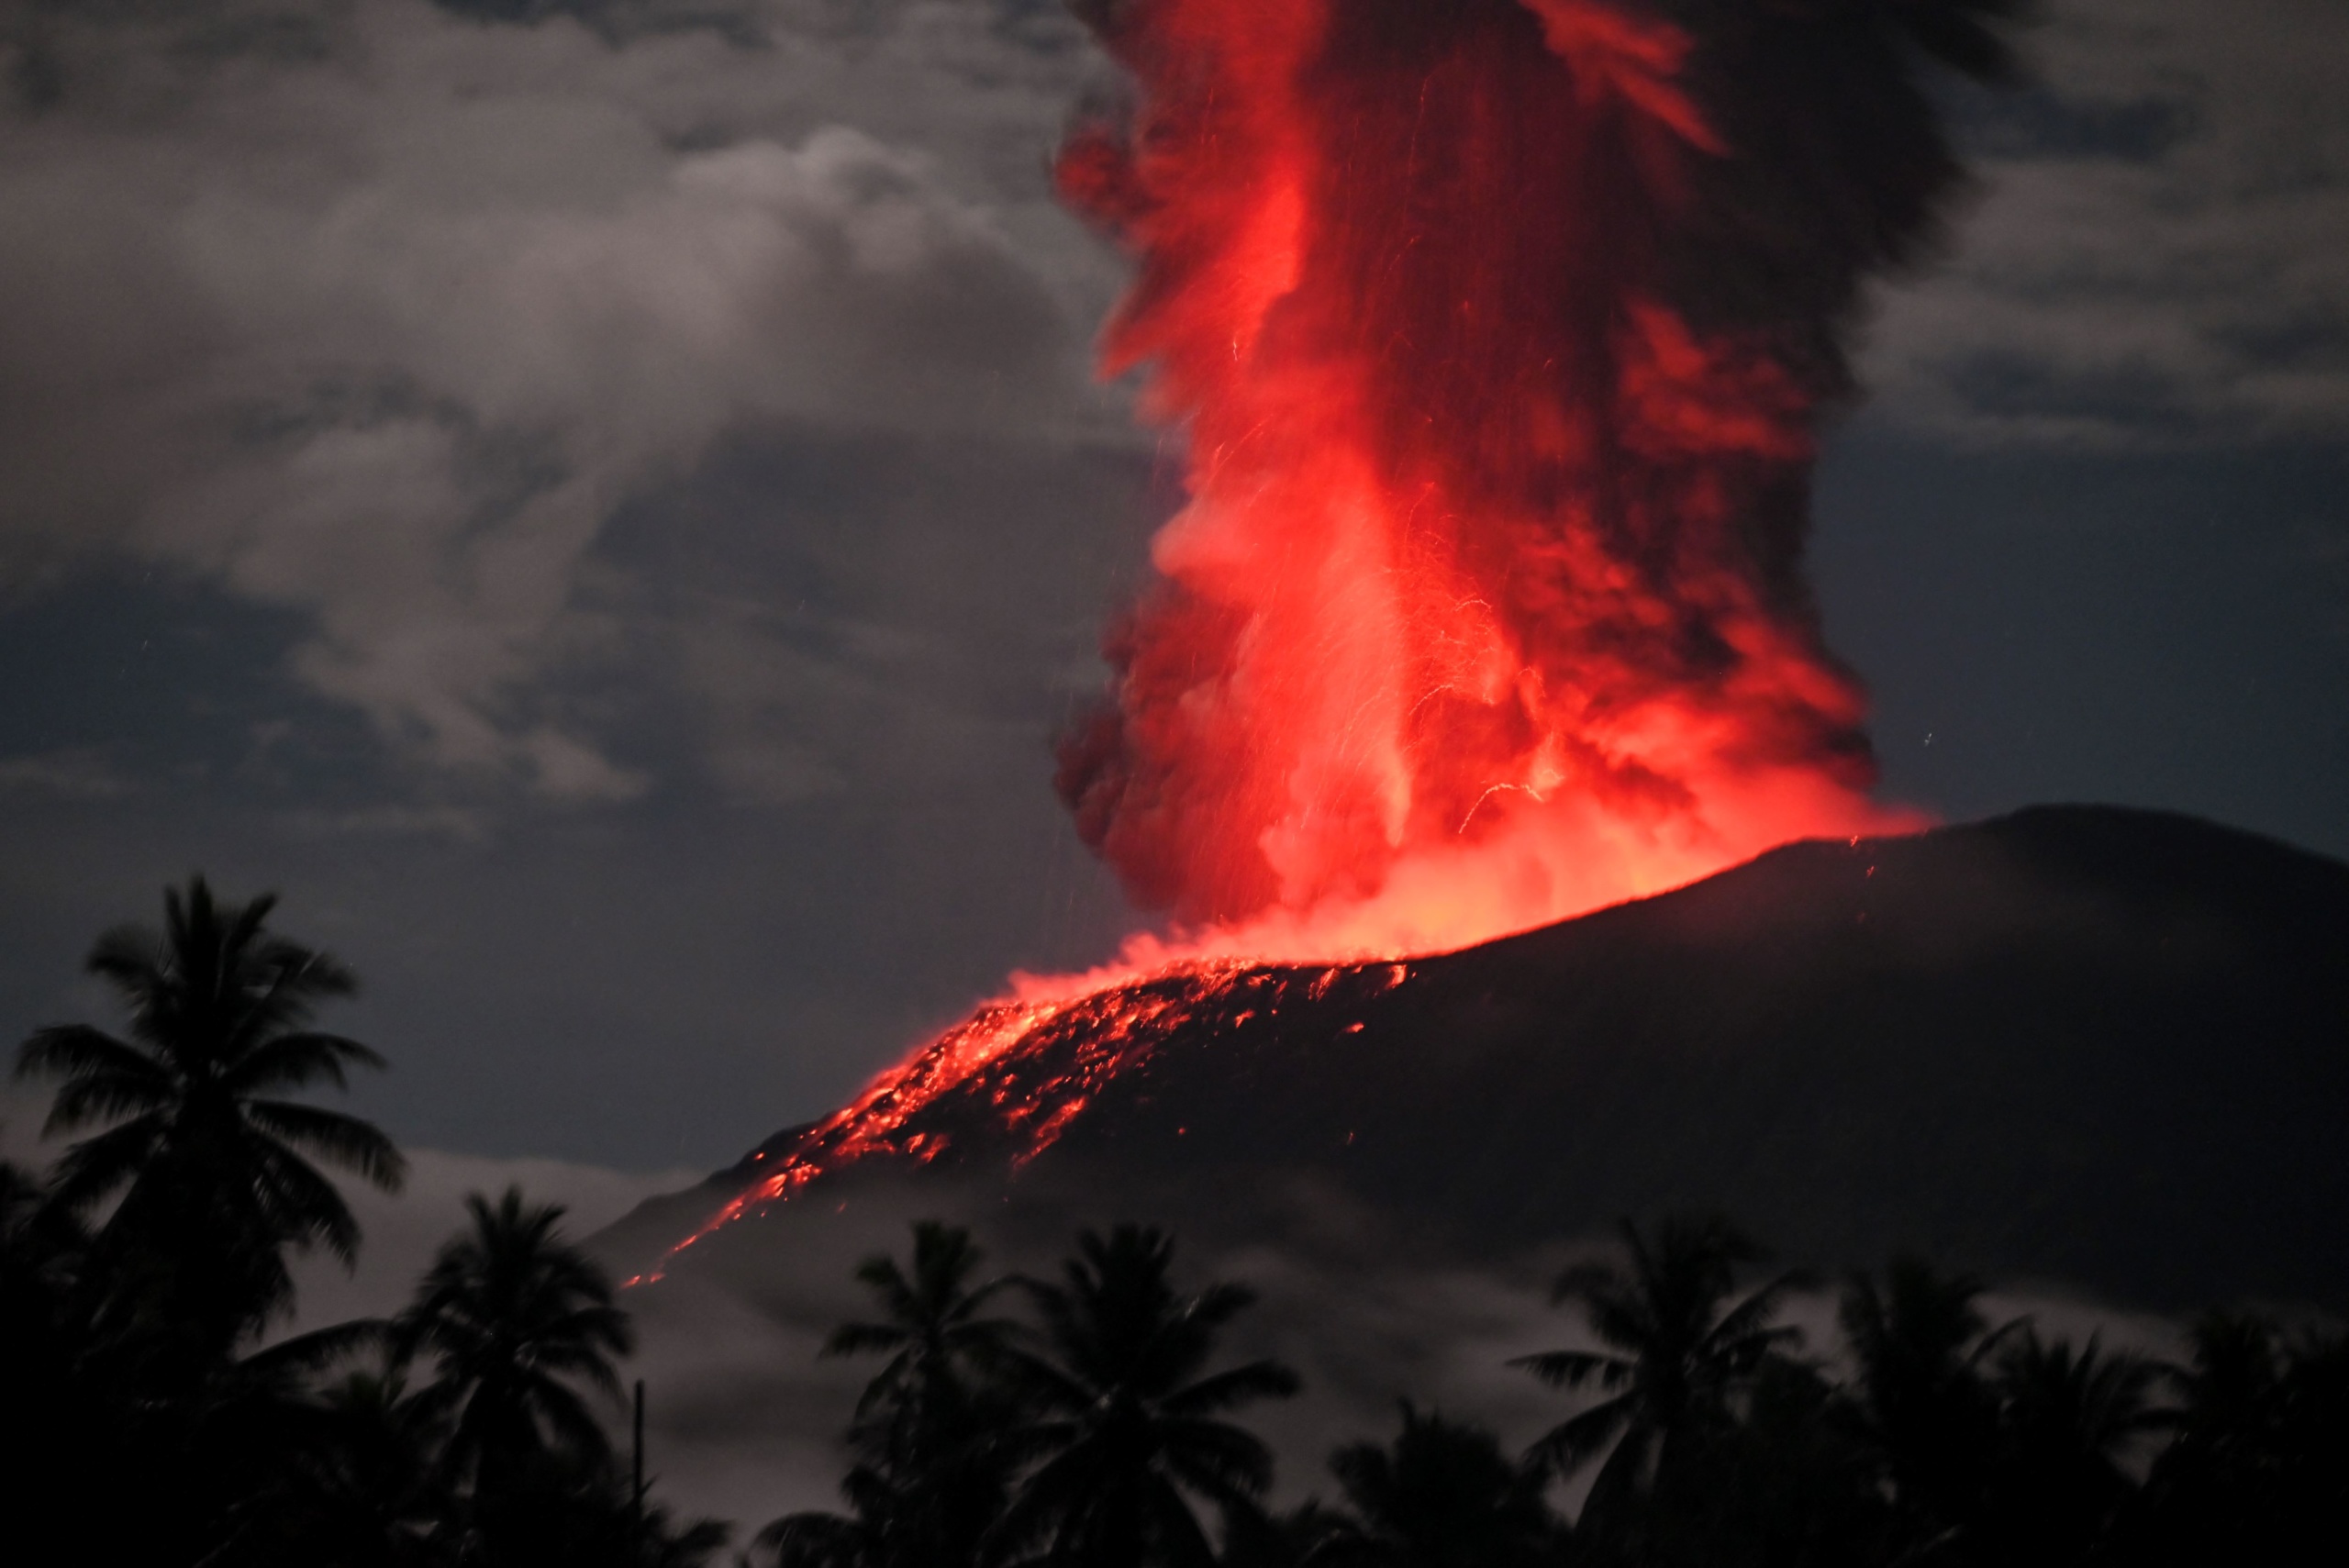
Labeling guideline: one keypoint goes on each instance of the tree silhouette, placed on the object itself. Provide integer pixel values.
(1125, 1434)
(931, 1479)
(1678, 1354)
(216, 1167)
(1918, 1345)
(60, 1475)
(1443, 1495)
(359, 1493)
(864, 1537)
(2068, 1419)
(941, 1346)
(515, 1320)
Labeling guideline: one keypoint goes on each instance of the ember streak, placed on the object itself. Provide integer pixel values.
(1499, 332)
(1037, 1059)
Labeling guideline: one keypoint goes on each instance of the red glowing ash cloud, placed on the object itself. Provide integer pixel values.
(1499, 332)
(1487, 608)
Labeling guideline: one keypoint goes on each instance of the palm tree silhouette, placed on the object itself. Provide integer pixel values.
(1676, 1355)
(930, 1481)
(940, 1345)
(1443, 1496)
(359, 1489)
(2068, 1419)
(2218, 1490)
(514, 1317)
(1126, 1431)
(1918, 1345)
(217, 1180)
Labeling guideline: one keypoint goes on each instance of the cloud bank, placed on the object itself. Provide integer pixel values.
(378, 313)
(2155, 259)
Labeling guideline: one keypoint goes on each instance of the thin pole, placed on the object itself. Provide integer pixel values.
(638, 1503)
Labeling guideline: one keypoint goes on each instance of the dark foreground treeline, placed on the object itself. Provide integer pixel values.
(152, 1422)
(1098, 1430)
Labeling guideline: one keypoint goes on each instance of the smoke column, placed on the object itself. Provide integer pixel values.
(1499, 332)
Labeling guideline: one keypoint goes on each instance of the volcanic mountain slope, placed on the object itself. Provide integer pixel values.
(2085, 1044)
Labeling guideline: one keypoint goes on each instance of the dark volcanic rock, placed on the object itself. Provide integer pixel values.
(2104, 1047)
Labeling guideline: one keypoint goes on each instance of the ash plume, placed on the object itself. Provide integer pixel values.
(1500, 332)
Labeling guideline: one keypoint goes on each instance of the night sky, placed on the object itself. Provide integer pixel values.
(604, 505)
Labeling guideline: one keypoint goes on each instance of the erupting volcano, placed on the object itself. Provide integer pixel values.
(1499, 333)
(1486, 609)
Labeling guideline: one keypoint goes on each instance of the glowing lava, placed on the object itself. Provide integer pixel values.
(1036, 1061)
(1498, 332)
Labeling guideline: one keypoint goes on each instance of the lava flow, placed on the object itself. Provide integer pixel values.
(1499, 332)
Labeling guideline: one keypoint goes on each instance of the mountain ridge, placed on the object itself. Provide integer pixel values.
(2082, 1043)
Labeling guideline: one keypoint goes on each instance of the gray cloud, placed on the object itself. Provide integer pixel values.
(385, 329)
(380, 313)
(2155, 256)
(70, 772)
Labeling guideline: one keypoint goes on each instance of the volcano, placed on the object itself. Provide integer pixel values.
(2103, 1047)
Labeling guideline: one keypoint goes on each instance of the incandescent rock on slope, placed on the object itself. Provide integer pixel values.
(2085, 1044)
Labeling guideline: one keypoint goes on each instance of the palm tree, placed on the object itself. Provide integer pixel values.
(1442, 1497)
(1676, 1356)
(864, 1537)
(2216, 1491)
(941, 1346)
(61, 1477)
(215, 1164)
(1125, 1433)
(514, 1318)
(359, 1494)
(2068, 1419)
(930, 1482)
(1922, 1403)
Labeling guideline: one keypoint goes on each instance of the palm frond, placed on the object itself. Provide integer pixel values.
(302, 1205)
(1747, 1323)
(1053, 1491)
(1582, 1282)
(1177, 1528)
(1048, 1386)
(338, 1139)
(861, 1339)
(239, 926)
(573, 1426)
(1217, 1460)
(101, 1097)
(73, 1049)
(815, 1540)
(1964, 35)
(1217, 1304)
(130, 957)
(306, 1355)
(1240, 1386)
(1572, 1369)
(296, 1061)
(1572, 1443)
(92, 1168)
